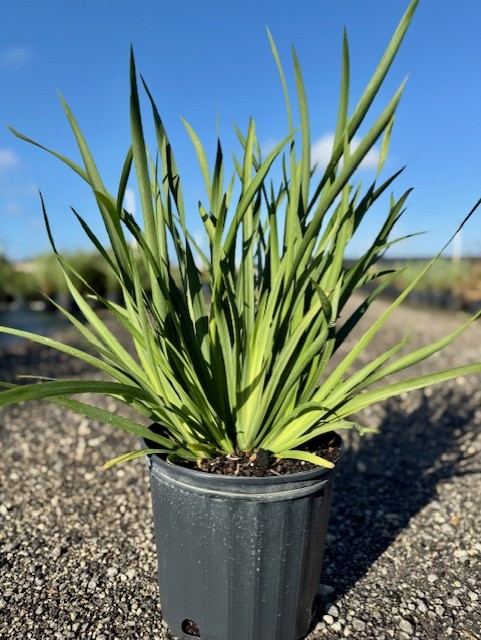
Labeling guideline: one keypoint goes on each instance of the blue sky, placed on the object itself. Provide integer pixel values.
(210, 63)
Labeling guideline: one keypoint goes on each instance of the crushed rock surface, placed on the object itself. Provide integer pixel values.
(77, 556)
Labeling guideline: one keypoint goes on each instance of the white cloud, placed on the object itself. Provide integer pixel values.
(268, 145)
(15, 58)
(8, 159)
(14, 209)
(129, 200)
(322, 148)
(8, 190)
(36, 223)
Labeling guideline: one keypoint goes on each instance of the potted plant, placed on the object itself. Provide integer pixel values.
(240, 383)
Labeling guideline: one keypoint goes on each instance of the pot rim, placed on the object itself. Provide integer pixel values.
(220, 479)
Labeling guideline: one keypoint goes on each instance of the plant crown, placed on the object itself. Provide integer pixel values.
(245, 367)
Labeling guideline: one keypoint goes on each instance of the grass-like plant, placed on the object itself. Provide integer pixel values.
(246, 367)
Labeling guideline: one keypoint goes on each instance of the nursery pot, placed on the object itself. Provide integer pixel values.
(239, 558)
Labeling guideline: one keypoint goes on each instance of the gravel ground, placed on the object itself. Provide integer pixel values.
(77, 556)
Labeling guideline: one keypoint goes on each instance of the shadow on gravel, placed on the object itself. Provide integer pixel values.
(387, 479)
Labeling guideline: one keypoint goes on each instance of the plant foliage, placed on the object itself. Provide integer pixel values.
(247, 366)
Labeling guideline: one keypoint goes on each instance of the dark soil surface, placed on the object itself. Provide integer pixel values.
(262, 463)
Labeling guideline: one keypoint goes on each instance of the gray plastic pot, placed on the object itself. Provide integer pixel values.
(239, 558)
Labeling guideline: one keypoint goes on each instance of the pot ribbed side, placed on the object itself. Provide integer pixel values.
(240, 557)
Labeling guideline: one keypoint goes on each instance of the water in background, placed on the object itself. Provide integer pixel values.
(42, 322)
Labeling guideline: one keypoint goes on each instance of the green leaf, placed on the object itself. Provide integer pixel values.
(132, 455)
(369, 398)
(44, 390)
(306, 456)
(120, 422)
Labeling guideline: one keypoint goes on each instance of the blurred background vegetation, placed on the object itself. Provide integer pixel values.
(32, 282)
(452, 284)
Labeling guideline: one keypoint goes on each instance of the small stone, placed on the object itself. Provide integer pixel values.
(432, 578)
(460, 553)
(422, 607)
(454, 601)
(333, 611)
(56, 551)
(406, 626)
(328, 619)
(440, 610)
(473, 596)
(358, 625)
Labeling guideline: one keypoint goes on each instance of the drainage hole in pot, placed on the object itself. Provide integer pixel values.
(190, 627)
